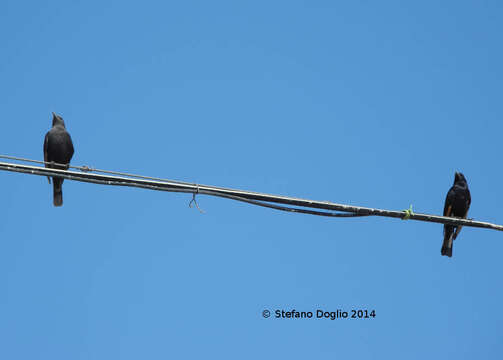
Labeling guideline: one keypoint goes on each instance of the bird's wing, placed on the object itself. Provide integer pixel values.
(448, 211)
(448, 203)
(46, 145)
(458, 228)
(46, 154)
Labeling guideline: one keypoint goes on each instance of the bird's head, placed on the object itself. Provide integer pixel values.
(57, 120)
(459, 178)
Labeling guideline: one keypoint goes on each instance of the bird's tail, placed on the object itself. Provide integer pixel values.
(448, 239)
(58, 191)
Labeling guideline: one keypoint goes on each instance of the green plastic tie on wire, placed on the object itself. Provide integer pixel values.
(408, 213)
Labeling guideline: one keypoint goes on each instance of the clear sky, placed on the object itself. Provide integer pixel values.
(366, 103)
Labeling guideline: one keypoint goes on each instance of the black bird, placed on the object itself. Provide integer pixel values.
(457, 204)
(58, 149)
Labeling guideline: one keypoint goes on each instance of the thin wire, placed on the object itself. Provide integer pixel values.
(195, 201)
(285, 208)
(250, 197)
(238, 198)
(86, 168)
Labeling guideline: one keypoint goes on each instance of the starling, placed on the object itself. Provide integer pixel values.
(457, 204)
(58, 149)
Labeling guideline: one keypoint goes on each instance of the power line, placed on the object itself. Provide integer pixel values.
(86, 168)
(155, 185)
(254, 198)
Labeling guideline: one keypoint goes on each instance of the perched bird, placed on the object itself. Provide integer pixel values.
(58, 149)
(457, 204)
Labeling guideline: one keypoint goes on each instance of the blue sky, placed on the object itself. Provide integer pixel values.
(367, 103)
